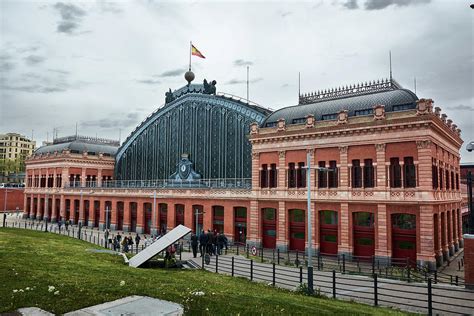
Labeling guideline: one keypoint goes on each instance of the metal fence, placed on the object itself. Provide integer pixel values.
(430, 298)
(226, 183)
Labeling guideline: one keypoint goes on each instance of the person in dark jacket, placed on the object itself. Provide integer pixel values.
(220, 243)
(202, 243)
(137, 240)
(194, 244)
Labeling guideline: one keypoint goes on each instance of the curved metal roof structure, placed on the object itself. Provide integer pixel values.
(80, 144)
(212, 129)
(355, 100)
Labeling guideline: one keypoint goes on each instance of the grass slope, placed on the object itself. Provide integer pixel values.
(38, 260)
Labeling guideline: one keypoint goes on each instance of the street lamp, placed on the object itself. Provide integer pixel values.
(310, 235)
(197, 213)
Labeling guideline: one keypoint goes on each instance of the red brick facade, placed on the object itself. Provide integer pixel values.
(392, 190)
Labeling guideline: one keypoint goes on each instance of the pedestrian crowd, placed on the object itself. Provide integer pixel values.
(210, 243)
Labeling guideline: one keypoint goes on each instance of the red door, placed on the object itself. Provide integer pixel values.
(269, 227)
(297, 230)
(404, 239)
(217, 219)
(96, 217)
(179, 214)
(147, 218)
(328, 232)
(363, 241)
(240, 225)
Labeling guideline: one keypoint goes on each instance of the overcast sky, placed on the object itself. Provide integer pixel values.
(107, 65)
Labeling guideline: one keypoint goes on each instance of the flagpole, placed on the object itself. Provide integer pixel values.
(247, 84)
(190, 52)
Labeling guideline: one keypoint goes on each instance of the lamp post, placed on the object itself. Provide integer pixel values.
(46, 200)
(197, 213)
(310, 235)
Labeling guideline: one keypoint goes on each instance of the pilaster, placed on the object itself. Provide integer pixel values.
(254, 231)
(426, 254)
(343, 170)
(381, 170)
(282, 241)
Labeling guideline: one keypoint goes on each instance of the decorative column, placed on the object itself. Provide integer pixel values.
(254, 232)
(101, 214)
(72, 210)
(25, 207)
(426, 253)
(343, 171)
(113, 214)
(343, 247)
(425, 162)
(382, 252)
(32, 207)
(450, 231)
(444, 232)
(62, 208)
(381, 170)
(282, 241)
(127, 216)
(459, 223)
(281, 169)
(255, 170)
(171, 219)
(229, 225)
(39, 209)
(91, 221)
(81, 208)
(65, 177)
(188, 215)
(99, 177)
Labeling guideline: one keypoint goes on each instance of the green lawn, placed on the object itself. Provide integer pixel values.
(38, 260)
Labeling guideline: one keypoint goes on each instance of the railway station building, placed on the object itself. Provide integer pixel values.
(384, 181)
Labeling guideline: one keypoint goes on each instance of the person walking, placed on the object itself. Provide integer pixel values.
(202, 243)
(67, 224)
(125, 244)
(220, 243)
(130, 241)
(194, 244)
(137, 240)
(119, 237)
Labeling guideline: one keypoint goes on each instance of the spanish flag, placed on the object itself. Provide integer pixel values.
(196, 52)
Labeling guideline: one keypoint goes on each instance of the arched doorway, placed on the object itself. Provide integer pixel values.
(67, 209)
(200, 210)
(240, 225)
(76, 211)
(133, 216)
(269, 227)
(297, 229)
(148, 213)
(86, 212)
(328, 232)
(163, 208)
(119, 215)
(97, 213)
(218, 218)
(179, 214)
(364, 238)
(404, 238)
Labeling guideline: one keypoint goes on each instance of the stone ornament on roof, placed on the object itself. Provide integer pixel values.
(254, 128)
(424, 106)
(379, 112)
(281, 125)
(310, 121)
(342, 117)
(437, 111)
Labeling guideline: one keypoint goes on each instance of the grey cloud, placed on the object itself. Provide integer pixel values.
(29, 49)
(241, 62)
(238, 81)
(172, 73)
(113, 121)
(108, 7)
(284, 14)
(382, 4)
(35, 88)
(285, 85)
(34, 60)
(351, 4)
(59, 71)
(461, 107)
(6, 65)
(71, 16)
(148, 81)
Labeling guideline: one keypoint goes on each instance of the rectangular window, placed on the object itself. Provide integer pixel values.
(356, 174)
(264, 176)
(447, 179)
(452, 180)
(402, 107)
(297, 216)
(291, 175)
(269, 214)
(434, 175)
(301, 175)
(330, 238)
(328, 217)
(457, 181)
(273, 176)
(410, 172)
(271, 124)
(328, 117)
(368, 173)
(364, 112)
(395, 173)
(299, 120)
(364, 219)
(365, 241)
(441, 182)
(322, 175)
(332, 174)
